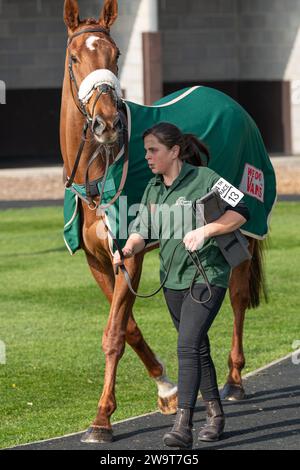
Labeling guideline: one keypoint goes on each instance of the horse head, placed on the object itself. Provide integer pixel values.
(92, 59)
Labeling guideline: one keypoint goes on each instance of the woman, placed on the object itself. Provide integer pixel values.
(176, 185)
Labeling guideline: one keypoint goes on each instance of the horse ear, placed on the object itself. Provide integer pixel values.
(109, 13)
(71, 14)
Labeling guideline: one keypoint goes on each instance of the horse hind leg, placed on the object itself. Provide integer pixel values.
(239, 291)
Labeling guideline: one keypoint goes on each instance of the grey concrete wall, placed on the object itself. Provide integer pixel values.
(268, 32)
(229, 39)
(32, 42)
(234, 40)
(200, 39)
(33, 39)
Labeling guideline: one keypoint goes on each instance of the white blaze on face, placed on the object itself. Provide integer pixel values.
(90, 42)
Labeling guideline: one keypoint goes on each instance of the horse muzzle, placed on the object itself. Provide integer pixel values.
(98, 126)
(102, 133)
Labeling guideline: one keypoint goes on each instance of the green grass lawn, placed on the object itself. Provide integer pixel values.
(52, 316)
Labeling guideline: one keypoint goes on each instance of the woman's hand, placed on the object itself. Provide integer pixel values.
(127, 253)
(228, 222)
(195, 239)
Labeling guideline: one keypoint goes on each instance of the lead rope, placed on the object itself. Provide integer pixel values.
(199, 270)
(107, 156)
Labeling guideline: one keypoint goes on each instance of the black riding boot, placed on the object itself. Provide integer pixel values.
(215, 421)
(181, 434)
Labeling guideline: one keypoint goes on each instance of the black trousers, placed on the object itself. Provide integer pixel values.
(192, 321)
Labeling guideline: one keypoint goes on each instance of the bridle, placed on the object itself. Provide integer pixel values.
(120, 124)
(104, 88)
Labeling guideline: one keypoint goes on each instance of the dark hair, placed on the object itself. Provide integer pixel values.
(192, 149)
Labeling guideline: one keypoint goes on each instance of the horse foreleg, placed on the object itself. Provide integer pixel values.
(134, 337)
(239, 296)
(167, 390)
(113, 346)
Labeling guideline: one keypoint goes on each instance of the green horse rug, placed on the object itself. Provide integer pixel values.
(237, 154)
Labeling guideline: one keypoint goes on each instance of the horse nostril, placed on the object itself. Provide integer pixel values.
(98, 126)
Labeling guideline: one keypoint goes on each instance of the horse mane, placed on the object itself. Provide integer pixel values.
(93, 21)
(89, 21)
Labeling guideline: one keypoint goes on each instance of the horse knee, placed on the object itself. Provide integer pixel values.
(113, 345)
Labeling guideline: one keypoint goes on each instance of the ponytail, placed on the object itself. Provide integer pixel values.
(192, 150)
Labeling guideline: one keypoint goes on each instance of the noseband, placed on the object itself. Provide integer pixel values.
(120, 124)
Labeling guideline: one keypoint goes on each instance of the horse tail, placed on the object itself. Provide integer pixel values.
(257, 281)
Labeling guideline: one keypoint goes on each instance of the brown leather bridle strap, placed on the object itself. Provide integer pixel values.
(125, 166)
(115, 242)
(79, 153)
(88, 30)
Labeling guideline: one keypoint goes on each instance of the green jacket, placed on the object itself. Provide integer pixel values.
(153, 219)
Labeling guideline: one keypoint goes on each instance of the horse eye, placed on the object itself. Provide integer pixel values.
(74, 59)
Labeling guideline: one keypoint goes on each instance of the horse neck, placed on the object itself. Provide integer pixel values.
(71, 128)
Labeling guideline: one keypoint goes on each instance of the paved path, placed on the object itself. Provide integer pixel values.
(32, 203)
(26, 184)
(269, 419)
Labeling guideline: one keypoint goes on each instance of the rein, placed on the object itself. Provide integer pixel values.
(197, 263)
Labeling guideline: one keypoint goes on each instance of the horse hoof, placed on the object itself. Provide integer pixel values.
(97, 435)
(168, 405)
(232, 392)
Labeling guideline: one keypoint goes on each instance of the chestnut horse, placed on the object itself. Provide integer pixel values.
(96, 121)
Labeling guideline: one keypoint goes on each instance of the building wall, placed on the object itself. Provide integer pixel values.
(33, 42)
(32, 55)
(292, 73)
(295, 112)
(269, 32)
(136, 17)
(248, 48)
(235, 41)
(200, 39)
